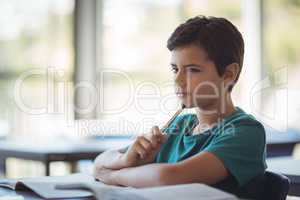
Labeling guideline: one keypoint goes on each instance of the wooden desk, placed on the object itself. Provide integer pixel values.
(290, 168)
(59, 151)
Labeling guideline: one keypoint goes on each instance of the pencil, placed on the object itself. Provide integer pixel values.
(164, 128)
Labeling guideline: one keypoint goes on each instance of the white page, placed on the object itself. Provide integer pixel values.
(45, 186)
(193, 191)
(185, 191)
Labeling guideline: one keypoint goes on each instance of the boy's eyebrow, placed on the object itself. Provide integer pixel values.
(188, 65)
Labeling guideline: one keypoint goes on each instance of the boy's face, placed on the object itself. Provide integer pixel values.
(197, 81)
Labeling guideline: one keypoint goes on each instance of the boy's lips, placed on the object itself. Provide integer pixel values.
(181, 94)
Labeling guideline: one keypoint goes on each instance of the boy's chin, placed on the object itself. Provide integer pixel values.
(187, 105)
(200, 105)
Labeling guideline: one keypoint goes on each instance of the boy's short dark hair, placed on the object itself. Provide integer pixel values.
(221, 40)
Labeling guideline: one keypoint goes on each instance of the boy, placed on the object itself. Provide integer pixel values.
(221, 145)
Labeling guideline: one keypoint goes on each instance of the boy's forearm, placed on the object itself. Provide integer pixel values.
(145, 176)
(110, 159)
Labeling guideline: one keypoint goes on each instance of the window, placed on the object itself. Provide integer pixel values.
(34, 35)
(282, 63)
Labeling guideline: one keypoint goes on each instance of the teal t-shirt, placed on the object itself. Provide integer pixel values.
(238, 141)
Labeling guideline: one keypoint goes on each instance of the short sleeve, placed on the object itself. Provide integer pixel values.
(241, 148)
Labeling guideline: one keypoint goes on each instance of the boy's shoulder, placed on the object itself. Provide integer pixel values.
(243, 119)
(246, 126)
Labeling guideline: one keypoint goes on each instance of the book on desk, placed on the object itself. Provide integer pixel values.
(86, 186)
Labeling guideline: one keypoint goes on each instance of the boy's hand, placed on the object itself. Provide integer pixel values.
(144, 148)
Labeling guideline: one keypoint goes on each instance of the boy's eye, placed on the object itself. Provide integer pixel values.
(174, 69)
(193, 70)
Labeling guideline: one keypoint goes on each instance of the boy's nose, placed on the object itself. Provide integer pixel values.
(180, 80)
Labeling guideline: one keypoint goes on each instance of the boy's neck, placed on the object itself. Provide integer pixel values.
(209, 119)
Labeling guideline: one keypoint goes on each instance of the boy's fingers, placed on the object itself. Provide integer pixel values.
(156, 130)
(140, 150)
(158, 133)
(145, 143)
(155, 141)
(155, 137)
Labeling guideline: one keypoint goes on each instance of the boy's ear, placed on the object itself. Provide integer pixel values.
(231, 73)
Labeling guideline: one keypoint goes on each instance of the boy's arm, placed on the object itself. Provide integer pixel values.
(142, 151)
(111, 159)
(202, 168)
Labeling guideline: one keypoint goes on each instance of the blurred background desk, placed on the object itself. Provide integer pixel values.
(278, 144)
(59, 151)
(281, 143)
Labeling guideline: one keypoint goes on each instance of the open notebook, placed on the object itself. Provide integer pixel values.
(45, 186)
(80, 186)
